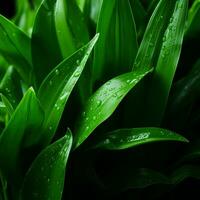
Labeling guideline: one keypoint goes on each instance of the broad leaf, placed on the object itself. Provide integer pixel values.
(128, 138)
(45, 48)
(113, 55)
(45, 178)
(104, 102)
(23, 123)
(15, 47)
(57, 86)
(70, 36)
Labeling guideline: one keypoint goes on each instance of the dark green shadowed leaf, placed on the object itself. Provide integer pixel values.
(192, 28)
(15, 47)
(45, 49)
(117, 46)
(184, 172)
(56, 88)
(45, 178)
(9, 107)
(71, 28)
(24, 121)
(128, 138)
(104, 102)
(134, 178)
(160, 84)
(10, 86)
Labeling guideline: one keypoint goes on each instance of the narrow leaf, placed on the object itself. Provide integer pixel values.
(45, 48)
(15, 47)
(104, 102)
(70, 36)
(8, 105)
(128, 138)
(162, 78)
(56, 88)
(24, 121)
(45, 178)
(113, 55)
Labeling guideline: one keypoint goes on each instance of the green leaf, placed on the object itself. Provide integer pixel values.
(15, 47)
(70, 36)
(103, 103)
(10, 86)
(45, 48)
(150, 45)
(160, 83)
(57, 86)
(192, 29)
(45, 178)
(23, 123)
(128, 138)
(140, 16)
(113, 55)
(184, 172)
(8, 105)
(132, 178)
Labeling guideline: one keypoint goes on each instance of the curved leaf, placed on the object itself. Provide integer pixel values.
(128, 138)
(10, 86)
(15, 47)
(113, 55)
(104, 102)
(24, 122)
(57, 86)
(45, 178)
(184, 172)
(70, 36)
(45, 48)
(8, 105)
(132, 178)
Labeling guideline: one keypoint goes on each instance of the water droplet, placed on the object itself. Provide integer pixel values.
(50, 128)
(128, 81)
(94, 118)
(161, 17)
(57, 71)
(107, 141)
(87, 128)
(50, 82)
(77, 74)
(78, 62)
(108, 83)
(83, 114)
(98, 102)
(86, 118)
(64, 96)
(48, 180)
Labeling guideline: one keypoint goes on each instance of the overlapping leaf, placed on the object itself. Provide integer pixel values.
(104, 102)
(56, 88)
(45, 178)
(24, 122)
(15, 47)
(112, 55)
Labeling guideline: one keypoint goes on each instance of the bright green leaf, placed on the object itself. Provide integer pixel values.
(128, 138)
(23, 123)
(56, 88)
(104, 102)
(15, 47)
(45, 178)
(70, 36)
